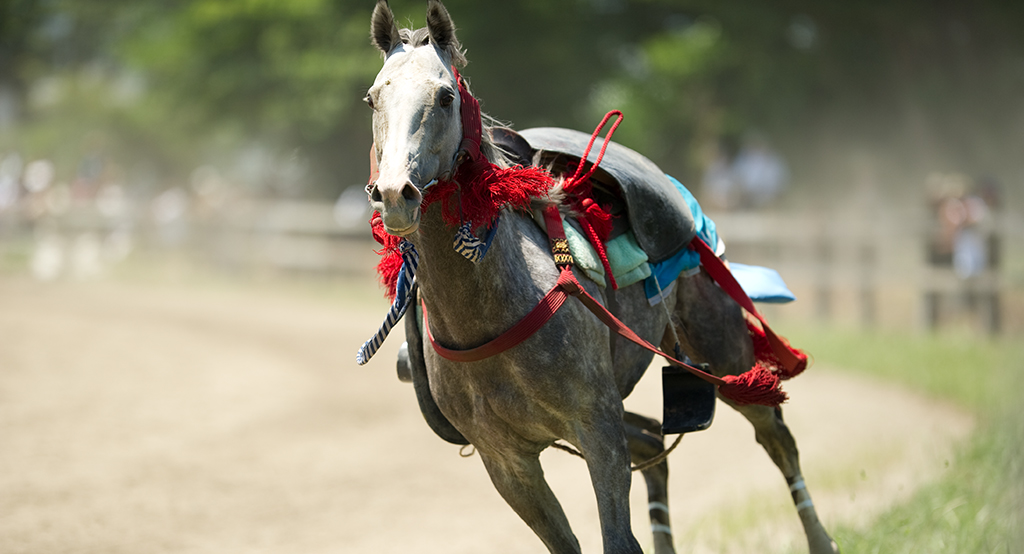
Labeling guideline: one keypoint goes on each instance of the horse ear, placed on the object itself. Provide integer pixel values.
(383, 29)
(440, 27)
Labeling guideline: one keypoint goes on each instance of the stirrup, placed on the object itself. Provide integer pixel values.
(689, 401)
(404, 371)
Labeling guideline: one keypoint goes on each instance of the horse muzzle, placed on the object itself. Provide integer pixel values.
(398, 206)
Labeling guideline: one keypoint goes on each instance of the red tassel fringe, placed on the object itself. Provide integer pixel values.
(756, 386)
(484, 189)
(598, 217)
(390, 259)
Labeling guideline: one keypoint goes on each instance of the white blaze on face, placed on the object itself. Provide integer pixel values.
(416, 124)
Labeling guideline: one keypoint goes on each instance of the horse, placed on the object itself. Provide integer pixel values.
(567, 381)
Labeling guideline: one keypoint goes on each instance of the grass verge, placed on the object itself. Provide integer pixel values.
(978, 506)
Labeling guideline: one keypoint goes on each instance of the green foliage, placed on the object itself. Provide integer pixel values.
(288, 69)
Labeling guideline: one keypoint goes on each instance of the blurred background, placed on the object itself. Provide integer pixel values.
(865, 149)
(186, 267)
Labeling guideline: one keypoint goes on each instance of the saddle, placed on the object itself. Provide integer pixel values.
(657, 214)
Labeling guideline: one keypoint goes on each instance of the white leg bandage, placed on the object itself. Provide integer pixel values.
(657, 506)
(659, 528)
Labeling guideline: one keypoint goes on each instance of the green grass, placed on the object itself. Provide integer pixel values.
(977, 506)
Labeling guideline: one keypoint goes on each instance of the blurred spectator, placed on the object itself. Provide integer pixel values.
(760, 172)
(90, 171)
(38, 175)
(965, 239)
(752, 178)
(351, 209)
(719, 182)
(969, 253)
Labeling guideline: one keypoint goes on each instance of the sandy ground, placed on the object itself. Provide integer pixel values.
(153, 418)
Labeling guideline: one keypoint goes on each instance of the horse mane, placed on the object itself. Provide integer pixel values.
(421, 37)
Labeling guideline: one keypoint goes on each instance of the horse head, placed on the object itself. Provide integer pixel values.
(416, 125)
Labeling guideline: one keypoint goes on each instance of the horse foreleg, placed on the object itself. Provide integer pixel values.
(520, 481)
(646, 442)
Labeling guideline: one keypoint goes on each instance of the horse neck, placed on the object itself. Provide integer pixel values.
(469, 303)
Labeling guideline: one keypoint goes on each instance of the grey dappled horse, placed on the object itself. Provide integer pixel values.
(568, 380)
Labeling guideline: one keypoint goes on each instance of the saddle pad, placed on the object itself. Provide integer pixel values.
(659, 217)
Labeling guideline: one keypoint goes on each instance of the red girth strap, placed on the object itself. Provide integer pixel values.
(756, 386)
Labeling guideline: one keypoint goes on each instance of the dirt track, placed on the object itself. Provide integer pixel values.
(151, 419)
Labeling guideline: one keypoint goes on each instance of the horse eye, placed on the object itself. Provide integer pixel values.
(369, 101)
(447, 98)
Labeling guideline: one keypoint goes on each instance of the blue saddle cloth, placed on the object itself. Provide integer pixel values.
(761, 284)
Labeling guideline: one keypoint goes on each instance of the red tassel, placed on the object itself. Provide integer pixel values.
(481, 190)
(388, 269)
(598, 217)
(756, 386)
(485, 190)
(391, 260)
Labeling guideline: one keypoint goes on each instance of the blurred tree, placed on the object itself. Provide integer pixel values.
(916, 85)
(287, 74)
(19, 54)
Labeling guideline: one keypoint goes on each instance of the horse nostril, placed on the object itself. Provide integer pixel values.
(375, 194)
(410, 193)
